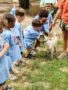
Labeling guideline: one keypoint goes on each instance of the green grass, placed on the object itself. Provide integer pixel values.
(43, 74)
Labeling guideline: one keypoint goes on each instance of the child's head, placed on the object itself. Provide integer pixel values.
(48, 6)
(9, 21)
(1, 24)
(37, 25)
(20, 14)
(43, 14)
(15, 3)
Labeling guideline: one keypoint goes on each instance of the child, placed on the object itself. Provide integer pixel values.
(31, 34)
(15, 5)
(43, 16)
(43, 13)
(4, 60)
(50, 6)
(44, 2)
(63, 12)
(14, 51)
(18, 30)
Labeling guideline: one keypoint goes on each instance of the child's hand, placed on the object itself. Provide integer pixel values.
(50, 34)
(20, 44)
(0, 55)
(53, 23)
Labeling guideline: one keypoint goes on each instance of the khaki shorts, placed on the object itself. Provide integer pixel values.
(64, 26)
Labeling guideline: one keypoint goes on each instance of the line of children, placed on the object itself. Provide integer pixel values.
(16, 40)
(13, 51)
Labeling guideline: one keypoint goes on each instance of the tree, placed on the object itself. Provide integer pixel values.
(25, 4)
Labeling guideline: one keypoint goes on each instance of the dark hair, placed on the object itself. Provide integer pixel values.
(20, 12)
(9, 18)
(36, 23)
(43, 13)
(1, 23)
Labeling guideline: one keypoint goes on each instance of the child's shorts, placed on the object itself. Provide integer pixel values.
(64, 26)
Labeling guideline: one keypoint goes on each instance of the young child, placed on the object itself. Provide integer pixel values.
(18, 29)
(4, 60)
(63, 12)
(43, 13)
(43, 17)
(30, 35)
(14, 51)
(43, 2)
(15, 5)
(51, 7)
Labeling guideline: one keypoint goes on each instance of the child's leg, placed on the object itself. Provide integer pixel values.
(65, 40)
(37, 44)
(26, 52)
(1, 87)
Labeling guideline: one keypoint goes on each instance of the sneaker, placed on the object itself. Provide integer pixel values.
(7, 88)
(30, 56)
(13, 77)
(15, 71)
(62, 55)
(18, 63)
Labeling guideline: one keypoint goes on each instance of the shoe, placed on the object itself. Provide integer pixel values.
(18, 63)
(30, 56)
(62, 55)
(13, 77)
(7, 88)
(15, 71)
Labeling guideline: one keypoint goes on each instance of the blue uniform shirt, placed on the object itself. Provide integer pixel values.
(30, 35)
(18, 29)
(13, 51)
(4, 62)
(13, 11)
(47, 23)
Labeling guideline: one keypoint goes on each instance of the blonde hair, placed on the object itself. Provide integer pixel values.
(15, 1)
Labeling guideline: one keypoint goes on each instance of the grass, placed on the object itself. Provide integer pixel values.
(42, 74)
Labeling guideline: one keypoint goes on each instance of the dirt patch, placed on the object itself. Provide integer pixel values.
(64, 69)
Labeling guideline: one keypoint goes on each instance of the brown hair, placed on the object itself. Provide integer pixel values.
(9, 18)
(20, 12)
(43, 13)
(1, 23)
(36, 23)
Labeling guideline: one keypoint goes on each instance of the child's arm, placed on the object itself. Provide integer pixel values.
(18, 41)
(5, 49)
(56, 16)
